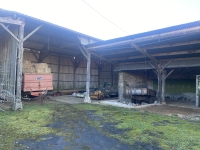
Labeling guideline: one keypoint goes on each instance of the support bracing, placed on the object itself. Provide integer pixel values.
(18, 103)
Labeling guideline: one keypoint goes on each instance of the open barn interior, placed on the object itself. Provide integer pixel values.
(166, 60)
(60, 48)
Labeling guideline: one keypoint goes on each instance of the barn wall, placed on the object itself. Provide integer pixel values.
(66, 71)
(108, 76)
(132, 80)
(8, 63)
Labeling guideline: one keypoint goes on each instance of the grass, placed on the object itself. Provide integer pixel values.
(135, 127)
(27, 124)
(168, 132)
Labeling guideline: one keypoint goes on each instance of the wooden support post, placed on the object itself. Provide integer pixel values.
(163, 86)
(18, 103)
(197, 90)
(121, 86)
(87, 96)
(58, 84)
(159, 82)
(112, 74)
(74, 78)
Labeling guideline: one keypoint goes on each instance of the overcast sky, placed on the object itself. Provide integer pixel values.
(133, 16)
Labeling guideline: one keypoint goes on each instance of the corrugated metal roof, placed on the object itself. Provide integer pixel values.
(149, 33)
(4, 12)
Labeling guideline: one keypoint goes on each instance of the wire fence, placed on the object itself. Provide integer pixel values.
(8, 63)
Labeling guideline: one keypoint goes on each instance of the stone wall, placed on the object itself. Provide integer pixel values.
(132, 80)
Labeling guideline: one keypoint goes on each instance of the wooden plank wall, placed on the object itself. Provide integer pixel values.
(107, 76)
(66, 72)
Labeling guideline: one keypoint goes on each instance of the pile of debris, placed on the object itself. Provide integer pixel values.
(35, 68)
(132, 104)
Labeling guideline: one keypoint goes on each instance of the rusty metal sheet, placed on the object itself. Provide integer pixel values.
(37, 82)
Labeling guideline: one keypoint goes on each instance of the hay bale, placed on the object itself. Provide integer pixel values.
(40, 68)
(27, 64)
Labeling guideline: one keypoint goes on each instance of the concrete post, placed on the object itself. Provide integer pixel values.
(121, 86)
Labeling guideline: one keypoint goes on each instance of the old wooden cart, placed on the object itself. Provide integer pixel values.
(141, 94)
(34, 85)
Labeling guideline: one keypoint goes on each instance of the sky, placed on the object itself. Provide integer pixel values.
(131, 16)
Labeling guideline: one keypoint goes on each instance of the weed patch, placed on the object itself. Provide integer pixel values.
(27, 124)
(169, 132)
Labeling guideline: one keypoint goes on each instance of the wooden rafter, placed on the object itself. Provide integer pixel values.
(152, 47)
(35, 30)
(9, 32)
(101, 57)
(161, 54)
(11, 21)
(143, 51)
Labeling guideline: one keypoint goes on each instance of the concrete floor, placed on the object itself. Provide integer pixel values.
(74, 100)
(67, 99)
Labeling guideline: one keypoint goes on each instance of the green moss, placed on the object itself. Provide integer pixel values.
(131, 126)
(27, 124)
(168, 132)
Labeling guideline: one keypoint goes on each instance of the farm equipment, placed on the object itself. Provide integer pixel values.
(97, 95)
(35, 85)
(141, 94)
(37, 80)
(109, 90)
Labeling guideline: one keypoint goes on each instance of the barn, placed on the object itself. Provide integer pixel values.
(166, 60)
(26, 38)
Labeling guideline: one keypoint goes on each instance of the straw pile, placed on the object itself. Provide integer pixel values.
(40, 68)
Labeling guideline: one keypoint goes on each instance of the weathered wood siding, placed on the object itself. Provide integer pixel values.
(66, 72)
(107, 75)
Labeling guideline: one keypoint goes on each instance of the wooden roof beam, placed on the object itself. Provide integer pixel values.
(160, 54)
(153, 47)
(102, 58)
(11, 21)
(173, 45)
(143, 51)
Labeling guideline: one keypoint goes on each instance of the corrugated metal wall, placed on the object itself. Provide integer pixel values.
(66, 72)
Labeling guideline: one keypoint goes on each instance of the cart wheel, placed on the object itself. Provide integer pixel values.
(134, 101)
(100, 97)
